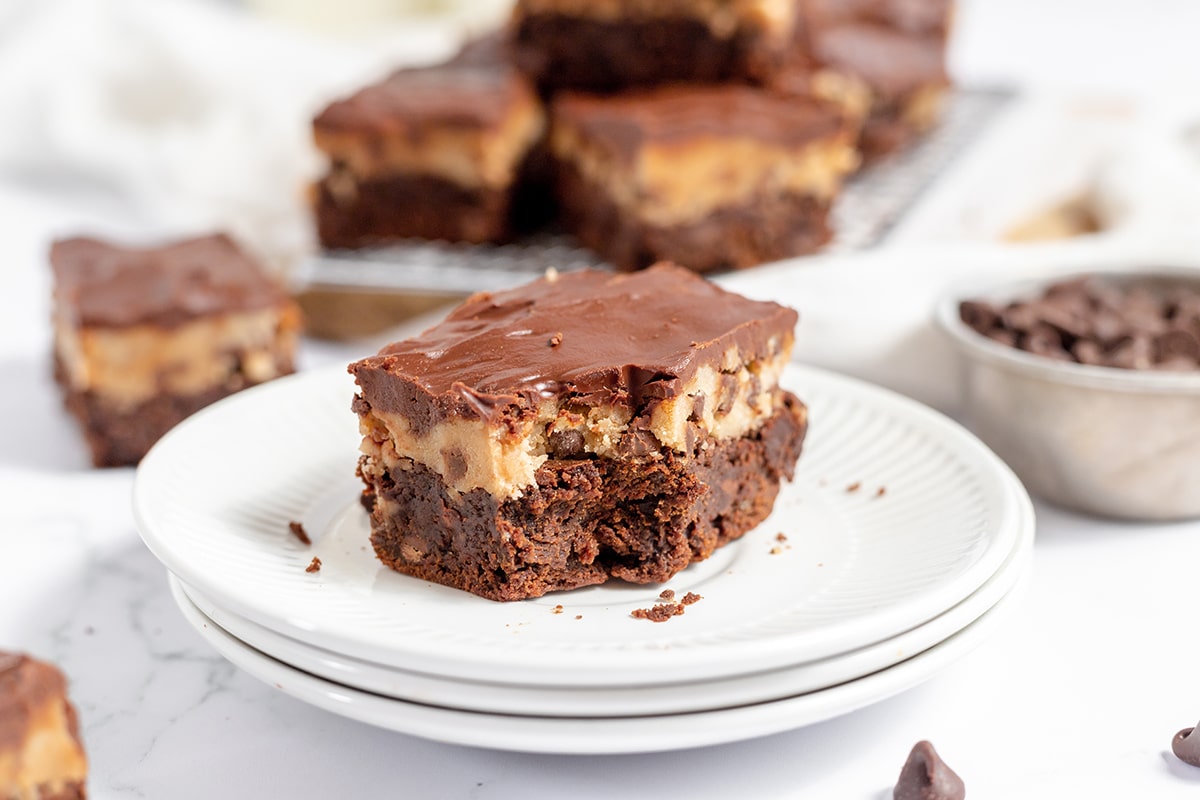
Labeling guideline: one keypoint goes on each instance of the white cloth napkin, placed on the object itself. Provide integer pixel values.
(194, 113)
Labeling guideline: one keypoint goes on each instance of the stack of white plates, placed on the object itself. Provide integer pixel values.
(893, 553)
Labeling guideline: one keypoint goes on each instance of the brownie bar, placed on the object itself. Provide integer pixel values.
(41, 756)
(707, 177)
(145, 337)
(610, 45)
(434, 153)
(584, 427)
(883, 61)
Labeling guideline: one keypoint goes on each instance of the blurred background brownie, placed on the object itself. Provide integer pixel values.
(146, 337)
(433, 153)
(609, 45)
(41, 755)
(883, 60)
(707, 177)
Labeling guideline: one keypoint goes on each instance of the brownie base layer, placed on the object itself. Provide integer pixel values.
(586, 521)
(119, 437)
(408, 207)
(565, 52)
(766, 228)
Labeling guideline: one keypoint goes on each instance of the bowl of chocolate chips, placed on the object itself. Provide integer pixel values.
(1089, 387)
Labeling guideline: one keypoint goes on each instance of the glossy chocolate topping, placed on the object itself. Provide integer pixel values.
(625, 123)
(926, 777)
(596, 336)
(98, 284)
(476, 89)
(25, 686)
(891, 63)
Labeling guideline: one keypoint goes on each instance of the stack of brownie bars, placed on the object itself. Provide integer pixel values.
(712, 133)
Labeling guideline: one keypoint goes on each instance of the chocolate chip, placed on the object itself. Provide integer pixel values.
(1187, 747)
(926, 777)
(1176, 344)
(1136, 353)
(566, 444)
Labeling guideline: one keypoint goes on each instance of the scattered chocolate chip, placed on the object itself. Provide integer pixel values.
(781, 537)
(926, 777)
(667, 594)
(854, 487)
(881, 491)
(579, 616)
(297, 529)
(1187, 747)
(690, 598)
(314, 565)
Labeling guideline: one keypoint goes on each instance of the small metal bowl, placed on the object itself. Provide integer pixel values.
(1115, 442)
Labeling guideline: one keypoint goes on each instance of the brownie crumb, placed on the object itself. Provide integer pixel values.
(854, 487)
(579, 616)
(555, 340)
(690, 597)
(781, 537)
(297, 529)
(660, 612)
(776, 550)
(881, 491)
(557, 610)
(667, 594)
(314, 565)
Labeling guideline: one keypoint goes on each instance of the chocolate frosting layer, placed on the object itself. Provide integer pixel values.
(98, 284)
(595, 336)
(625, 123)
(476, 89)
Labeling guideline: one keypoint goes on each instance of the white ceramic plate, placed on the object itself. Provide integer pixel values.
(213, 500)
(557, 701)
(590, 735)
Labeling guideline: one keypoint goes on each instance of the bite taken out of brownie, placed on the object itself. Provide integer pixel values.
(144, 337)
(584, 427)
